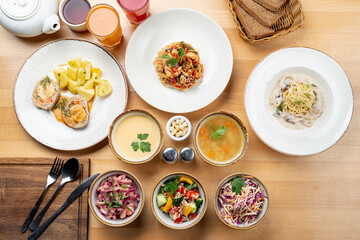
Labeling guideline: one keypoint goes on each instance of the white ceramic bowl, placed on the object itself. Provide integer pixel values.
(164, 218)
(264, 209)
(168, 124)
(75, 27)
(95, 210)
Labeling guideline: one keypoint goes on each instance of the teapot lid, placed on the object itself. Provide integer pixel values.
(19, 9)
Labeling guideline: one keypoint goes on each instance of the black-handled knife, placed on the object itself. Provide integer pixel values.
(73, 196)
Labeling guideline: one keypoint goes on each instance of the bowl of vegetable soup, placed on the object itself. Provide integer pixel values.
(220, 138)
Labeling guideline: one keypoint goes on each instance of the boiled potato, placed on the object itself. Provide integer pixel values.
(57, 73)
(72, 86)
(86, 93)
(72, 73)
(64, 80)
(61, 77)
(96, 78)
(97, 71)
(87, 66)
(89, 84)
(75, 63)
(81, 76)
(104, 88)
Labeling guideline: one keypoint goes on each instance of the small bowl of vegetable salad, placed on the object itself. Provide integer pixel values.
(179, 201)
(116, 198)
(241, 201)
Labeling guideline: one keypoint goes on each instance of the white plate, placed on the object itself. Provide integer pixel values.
(42, 125)
(330, 77)
(167, 27)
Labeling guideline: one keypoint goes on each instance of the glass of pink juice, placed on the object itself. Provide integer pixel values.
(136, 10)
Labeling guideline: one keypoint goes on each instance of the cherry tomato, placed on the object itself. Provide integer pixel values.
(181, 189)
(192, 194)
(192, 216)
(178, 220)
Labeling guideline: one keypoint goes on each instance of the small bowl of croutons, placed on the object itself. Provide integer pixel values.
(178, 128)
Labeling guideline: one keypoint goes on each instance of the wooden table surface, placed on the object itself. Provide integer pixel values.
(315, 197)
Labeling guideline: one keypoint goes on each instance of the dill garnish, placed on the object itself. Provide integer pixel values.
(61, 104)
(45, 82)
(66, 110)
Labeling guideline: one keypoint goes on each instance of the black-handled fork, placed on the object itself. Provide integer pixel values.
(51, 179)
(69, 173)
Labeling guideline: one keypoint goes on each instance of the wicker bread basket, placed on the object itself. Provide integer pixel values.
(293, 18)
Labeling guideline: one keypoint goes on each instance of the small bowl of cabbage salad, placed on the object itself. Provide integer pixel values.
(241, 201)
(116, 198)
(179, 201)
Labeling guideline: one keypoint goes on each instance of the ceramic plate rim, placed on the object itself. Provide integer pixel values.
(31, 55)
(228, 75)
(260, 134)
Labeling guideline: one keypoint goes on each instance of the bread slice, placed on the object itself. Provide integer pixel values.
(252, 27)
(263, 15)
(272, 5)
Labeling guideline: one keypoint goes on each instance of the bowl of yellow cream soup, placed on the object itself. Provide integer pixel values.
(135, 136)
(220, 138)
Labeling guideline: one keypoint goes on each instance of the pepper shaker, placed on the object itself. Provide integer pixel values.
(187, 154)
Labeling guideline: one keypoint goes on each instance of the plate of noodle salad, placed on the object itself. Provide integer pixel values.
(241, 201)
(179, 60)
(299, 101)
(116, 198)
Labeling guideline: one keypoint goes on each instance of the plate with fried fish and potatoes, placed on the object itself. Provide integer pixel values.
(68, 92)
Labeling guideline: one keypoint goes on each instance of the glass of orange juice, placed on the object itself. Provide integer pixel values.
(103, 22)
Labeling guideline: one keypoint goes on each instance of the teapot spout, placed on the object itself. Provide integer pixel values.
(51, 25)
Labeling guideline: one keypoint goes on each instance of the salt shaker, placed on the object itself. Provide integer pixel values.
(170, 155)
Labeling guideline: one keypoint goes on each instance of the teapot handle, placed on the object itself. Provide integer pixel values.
(51, 25)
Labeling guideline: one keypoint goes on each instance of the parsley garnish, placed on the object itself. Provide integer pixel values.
(165, 56)
(298, 102)
(280, 107)
(237, 184)
(144, 146)
(219, 133)
(143, 136)
(313, 85)
(174, 61)
(181, 52)
(135, 146)
(172, 186)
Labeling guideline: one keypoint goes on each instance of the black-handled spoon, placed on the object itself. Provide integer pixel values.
(70, 172)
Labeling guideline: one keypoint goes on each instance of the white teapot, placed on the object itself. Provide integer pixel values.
(29, 18)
